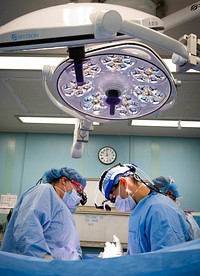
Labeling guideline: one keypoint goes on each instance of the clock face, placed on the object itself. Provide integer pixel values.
(107, 155)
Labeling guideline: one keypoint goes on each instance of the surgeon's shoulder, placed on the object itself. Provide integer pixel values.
(45, 188)
(162, 204)
(47, 192)
(157, 198)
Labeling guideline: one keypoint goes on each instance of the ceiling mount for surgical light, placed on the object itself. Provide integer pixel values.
(119, 81)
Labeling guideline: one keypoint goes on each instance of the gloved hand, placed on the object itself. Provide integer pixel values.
(48, 257)
(113, 249)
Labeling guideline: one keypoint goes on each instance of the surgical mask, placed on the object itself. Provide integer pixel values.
(178, 202)
(72, 200)
(125, 204)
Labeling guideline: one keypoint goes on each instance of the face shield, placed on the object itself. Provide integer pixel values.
(111, 177)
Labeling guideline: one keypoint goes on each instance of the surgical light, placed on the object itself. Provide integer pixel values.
(119, 81)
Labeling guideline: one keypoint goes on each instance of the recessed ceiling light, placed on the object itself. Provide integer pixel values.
(37, 63)
(166, 123)
(49, 120)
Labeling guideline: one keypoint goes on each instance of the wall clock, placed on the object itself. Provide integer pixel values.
(107, 155)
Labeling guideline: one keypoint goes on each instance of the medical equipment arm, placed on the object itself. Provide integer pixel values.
(81, 136)
(192, 44)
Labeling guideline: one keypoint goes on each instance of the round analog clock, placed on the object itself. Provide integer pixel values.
(107, 155)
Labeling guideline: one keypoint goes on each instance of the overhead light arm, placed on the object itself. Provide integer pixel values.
(137, 31)
(81, 136)
(186, 48)
(193, 62)
(104, 27)
(107, 24)
(181, 16)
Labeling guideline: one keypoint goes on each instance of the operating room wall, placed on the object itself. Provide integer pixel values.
(25, 156)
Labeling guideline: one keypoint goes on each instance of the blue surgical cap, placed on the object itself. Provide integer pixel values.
(69, 173)
(112, 177)
(165, 184)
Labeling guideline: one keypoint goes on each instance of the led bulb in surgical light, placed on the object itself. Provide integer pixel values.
(121, 81)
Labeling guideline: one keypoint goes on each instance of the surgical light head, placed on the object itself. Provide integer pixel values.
(119, 81)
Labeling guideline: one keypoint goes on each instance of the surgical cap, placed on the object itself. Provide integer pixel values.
(112, 177)
(165, 184)
(69, 173)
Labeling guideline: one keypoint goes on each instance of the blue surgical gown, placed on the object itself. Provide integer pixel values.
(157, 222)
(42, 224)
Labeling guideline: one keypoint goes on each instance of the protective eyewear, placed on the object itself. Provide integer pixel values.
(111, 195)
(80, 191)
(115, 186)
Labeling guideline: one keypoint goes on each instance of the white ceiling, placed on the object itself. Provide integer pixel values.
(22, 92)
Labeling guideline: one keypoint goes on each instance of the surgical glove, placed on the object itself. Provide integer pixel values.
(48, 257)
(113, 249)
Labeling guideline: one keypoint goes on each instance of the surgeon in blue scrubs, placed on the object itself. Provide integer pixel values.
(155, 220)
(42, 223)
(167, 186)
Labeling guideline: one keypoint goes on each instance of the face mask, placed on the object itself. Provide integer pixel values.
(72, 200)
(178, 202)
(125, 204)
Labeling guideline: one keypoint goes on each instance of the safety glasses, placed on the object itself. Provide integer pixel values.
(78, 185)
(111, 195)
(80, 191)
